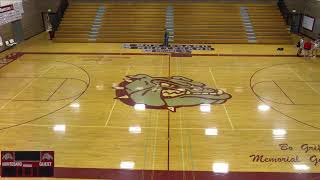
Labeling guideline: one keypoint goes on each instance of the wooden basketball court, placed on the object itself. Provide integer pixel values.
(256, 110)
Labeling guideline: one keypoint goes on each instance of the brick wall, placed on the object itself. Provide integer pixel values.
(311, 8)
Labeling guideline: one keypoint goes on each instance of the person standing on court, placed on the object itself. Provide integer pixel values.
(307, 45)
(316, 46)
(48, 25)
(300, 46)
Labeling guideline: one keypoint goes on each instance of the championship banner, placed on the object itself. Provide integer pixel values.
(10, 12)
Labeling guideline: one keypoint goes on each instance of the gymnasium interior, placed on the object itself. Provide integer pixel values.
(160, 89)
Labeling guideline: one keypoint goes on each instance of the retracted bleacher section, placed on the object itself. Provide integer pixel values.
(119, 23)
(208, 23)
(133, 23)
(77, 23)
(194, 23)
(269, 26)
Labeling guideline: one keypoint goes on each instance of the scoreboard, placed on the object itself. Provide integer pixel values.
(27, 163)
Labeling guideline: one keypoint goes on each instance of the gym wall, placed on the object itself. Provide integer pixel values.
(311, 8)
(31, 20)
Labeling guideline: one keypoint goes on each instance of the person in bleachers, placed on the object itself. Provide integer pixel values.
(166, 38)
(300, 45)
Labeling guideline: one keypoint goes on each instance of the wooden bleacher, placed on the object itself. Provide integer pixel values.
(212, 23)
(208, 23)
(77, 22)
(269, 25)
(121, 23)
(194, 23)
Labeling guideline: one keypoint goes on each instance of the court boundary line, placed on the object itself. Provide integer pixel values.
(18, 93)
(315, 90)
(23, 89)
(273, 101)
(161, 54)
(19, 55)
(273, 108)
(14, 59)
(38, 77)
(161, 128)
(117, 174)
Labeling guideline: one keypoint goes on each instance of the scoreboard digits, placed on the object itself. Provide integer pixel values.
(27, 163)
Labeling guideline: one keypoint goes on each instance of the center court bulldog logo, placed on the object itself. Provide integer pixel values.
(167, 92)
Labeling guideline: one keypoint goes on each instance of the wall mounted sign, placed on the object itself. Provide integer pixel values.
(10, 12)
(308, 22)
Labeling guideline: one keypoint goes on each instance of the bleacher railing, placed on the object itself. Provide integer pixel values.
(284, 11)
(292, 19)
(56, 16)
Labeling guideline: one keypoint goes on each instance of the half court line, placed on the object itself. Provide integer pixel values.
(224, 106)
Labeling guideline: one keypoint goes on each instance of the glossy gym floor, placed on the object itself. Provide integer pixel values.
(231, 112)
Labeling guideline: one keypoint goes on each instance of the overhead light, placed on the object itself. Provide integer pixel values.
(135, 129)
(220, 167)
(205, 107)
(140, 107)
(127, 165)
(211, 132)
(263, 107)
(59, 127)
(75, 105)
(301, 167)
